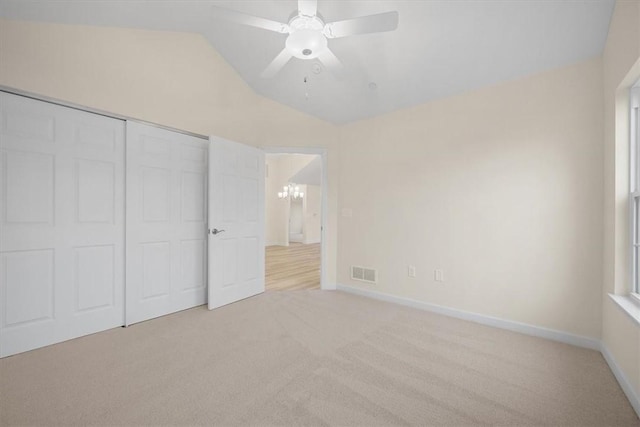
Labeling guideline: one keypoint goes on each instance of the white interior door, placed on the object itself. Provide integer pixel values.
(61, 223)
(236, 222)
(166, 222)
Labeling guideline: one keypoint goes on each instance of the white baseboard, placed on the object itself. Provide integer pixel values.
(328, 286)
(276, 244)
(510, 325)
(626, 386)
(496, 322)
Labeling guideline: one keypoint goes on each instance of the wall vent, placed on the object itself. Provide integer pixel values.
(364, 274)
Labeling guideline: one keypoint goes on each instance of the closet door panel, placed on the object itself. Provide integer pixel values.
(62, 223)
(166, 222)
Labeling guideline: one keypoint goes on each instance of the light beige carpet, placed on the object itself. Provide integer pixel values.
(310, 358)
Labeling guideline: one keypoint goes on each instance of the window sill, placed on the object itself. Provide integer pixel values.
(629, 305)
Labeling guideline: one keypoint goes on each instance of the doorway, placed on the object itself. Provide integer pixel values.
(295, 201)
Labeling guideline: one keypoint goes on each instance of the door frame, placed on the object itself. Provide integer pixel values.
(322, 152)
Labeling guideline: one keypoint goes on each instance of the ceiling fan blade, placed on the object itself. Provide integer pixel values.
(252, 21)
(308, 7)
(277, 64)
(331, 63)
(387, 21)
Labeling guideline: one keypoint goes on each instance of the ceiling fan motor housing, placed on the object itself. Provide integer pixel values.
(306, 40)
(306, 44)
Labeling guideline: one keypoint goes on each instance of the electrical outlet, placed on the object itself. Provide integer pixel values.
(411, 271)
(439, 276)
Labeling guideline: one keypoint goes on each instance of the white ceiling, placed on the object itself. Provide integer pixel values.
(441, 47)
(311, 174)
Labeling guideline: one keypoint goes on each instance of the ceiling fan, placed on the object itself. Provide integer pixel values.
(308, 33)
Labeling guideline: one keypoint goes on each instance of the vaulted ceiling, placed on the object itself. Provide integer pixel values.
(441, 47)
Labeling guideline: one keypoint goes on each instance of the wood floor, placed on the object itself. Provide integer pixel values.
(293, 267)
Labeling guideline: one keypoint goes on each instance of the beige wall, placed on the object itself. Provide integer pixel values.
(501, 188)
(274, 207)
(620, 335)
(173, 79)
(313, 214)
(281, 168)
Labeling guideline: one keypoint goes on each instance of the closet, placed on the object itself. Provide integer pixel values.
(76, 224)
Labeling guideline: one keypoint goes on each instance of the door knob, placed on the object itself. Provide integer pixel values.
(215, 231)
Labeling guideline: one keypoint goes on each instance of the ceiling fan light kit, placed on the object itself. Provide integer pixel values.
(306, 44)
(308, 34)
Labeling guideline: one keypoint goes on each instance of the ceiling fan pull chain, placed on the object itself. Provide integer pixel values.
(306, 92)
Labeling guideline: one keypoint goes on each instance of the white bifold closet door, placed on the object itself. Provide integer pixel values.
(166, 239)
(61, 223)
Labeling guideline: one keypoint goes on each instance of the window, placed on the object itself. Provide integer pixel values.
(634, 169)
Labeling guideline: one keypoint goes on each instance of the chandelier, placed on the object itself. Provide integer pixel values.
(290, 191)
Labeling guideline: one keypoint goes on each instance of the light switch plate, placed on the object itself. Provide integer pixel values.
(411, 271)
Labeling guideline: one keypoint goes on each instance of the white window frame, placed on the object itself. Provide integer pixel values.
(634, 184)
